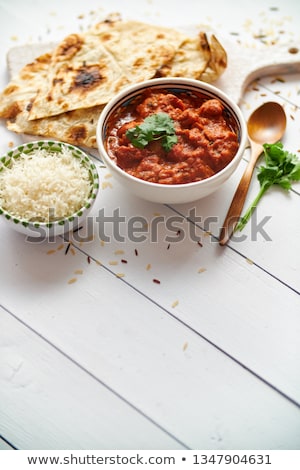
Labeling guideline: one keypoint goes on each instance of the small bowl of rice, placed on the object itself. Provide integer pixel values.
(47, 188)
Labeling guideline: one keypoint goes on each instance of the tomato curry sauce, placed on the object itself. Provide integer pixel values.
(207, 137)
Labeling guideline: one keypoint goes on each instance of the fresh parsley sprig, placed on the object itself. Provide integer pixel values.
(281, 168)
(154, 127)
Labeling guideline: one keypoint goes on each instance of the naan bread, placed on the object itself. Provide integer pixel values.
(62, 93)
(22, 89)
(76, 127)
(89, 69)
(197, 58)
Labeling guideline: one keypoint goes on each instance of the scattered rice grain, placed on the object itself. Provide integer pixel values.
(113, 263)
(78, 271)
(148, 267)
(185, 346)
(175, 303)
(119, 252)
(201, 270)
(50, 252)
(72, 280)
(106, 184)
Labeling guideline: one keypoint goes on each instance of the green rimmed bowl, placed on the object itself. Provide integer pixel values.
(59, 226)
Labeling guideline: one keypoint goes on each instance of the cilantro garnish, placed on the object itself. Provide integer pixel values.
(281, 168)
(154, 127)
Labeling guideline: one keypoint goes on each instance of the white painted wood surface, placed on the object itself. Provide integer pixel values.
(209, 358)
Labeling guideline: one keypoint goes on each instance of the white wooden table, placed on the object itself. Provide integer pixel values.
(96, 355)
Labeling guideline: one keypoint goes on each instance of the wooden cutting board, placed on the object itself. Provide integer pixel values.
(245, 64)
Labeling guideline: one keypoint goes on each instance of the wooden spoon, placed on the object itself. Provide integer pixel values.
(265, 125)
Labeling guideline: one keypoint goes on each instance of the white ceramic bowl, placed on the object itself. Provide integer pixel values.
(46, 230)
(175, 193)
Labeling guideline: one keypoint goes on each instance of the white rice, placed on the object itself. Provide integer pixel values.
(43, 186)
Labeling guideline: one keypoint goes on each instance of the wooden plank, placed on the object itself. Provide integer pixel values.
(232, 323)
(51, 403)
(4, 445)
(152, 360)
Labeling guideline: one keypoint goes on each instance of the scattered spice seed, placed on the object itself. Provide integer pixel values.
(124, 261)
(156, 281)
(89, 260)
(72, 280)
(168, 247)
(199, 243)
(136, 252)
(175, 303)
(11, 144)
(293, 50)
(278, 79)
(67, 249)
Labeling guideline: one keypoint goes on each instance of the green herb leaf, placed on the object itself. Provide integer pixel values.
(281, 168)
(155, 127)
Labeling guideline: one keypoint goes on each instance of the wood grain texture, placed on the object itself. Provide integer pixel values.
(208, 357)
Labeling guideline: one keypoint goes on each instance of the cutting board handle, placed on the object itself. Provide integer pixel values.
(246, 64)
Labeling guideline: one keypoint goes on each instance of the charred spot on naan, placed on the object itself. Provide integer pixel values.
(77, 133)
(10, 89)
(69, 47)
(87, 77)
(12, 111)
